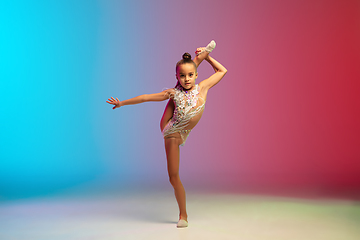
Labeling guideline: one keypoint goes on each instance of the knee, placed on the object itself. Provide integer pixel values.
(174, 179)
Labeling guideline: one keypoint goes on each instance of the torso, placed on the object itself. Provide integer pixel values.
(189, 107)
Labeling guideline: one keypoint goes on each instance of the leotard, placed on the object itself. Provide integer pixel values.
(187, 106)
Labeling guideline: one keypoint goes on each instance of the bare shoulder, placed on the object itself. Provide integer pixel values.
(169, 92)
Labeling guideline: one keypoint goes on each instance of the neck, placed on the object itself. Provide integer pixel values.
(189, 89)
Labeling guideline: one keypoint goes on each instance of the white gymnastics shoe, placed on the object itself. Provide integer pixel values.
(182, 223)
(209, 47)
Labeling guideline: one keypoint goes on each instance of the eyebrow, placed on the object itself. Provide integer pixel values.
(184, 73)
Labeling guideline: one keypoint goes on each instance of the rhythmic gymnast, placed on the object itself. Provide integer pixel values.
(183, 111)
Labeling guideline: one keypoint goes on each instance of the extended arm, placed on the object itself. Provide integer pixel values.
(140, 99)
(220, 72)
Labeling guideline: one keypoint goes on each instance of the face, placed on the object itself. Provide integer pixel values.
(186, 75)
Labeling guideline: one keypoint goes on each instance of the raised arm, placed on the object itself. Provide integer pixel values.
(161, 96)
(220, 72)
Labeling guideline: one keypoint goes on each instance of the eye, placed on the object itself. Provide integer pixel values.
(191, 74)
(181, 75)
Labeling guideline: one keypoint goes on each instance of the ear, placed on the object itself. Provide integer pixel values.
(196, 76)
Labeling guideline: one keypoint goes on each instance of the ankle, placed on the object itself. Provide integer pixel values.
(208, 49)
(183, 216)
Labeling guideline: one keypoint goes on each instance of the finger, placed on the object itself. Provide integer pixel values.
(117, 99)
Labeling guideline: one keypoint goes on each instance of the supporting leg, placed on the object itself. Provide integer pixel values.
(173, 159)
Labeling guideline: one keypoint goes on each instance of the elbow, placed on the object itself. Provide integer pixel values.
(224, 71)
(144, 98)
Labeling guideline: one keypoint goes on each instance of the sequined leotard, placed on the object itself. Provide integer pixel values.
(187, 106)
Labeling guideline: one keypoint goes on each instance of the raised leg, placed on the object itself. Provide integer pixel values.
(202, 53)
(173, 159)
(199, 58)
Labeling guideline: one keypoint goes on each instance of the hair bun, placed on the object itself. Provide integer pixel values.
(186, 56)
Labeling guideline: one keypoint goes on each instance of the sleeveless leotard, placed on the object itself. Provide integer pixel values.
(186, 107)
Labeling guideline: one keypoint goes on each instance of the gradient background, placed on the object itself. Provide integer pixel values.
(285, 117)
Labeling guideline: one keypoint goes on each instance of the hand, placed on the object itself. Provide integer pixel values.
(116, 102)
(199, 50)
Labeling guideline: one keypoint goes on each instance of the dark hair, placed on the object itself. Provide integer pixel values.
(186, 58)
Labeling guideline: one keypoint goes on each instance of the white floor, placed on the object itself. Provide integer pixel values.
(153, 216)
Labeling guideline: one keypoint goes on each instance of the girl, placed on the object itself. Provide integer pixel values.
(183, 111)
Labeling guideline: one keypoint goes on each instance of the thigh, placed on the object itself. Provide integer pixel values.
(168, 113)
(172, 154)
